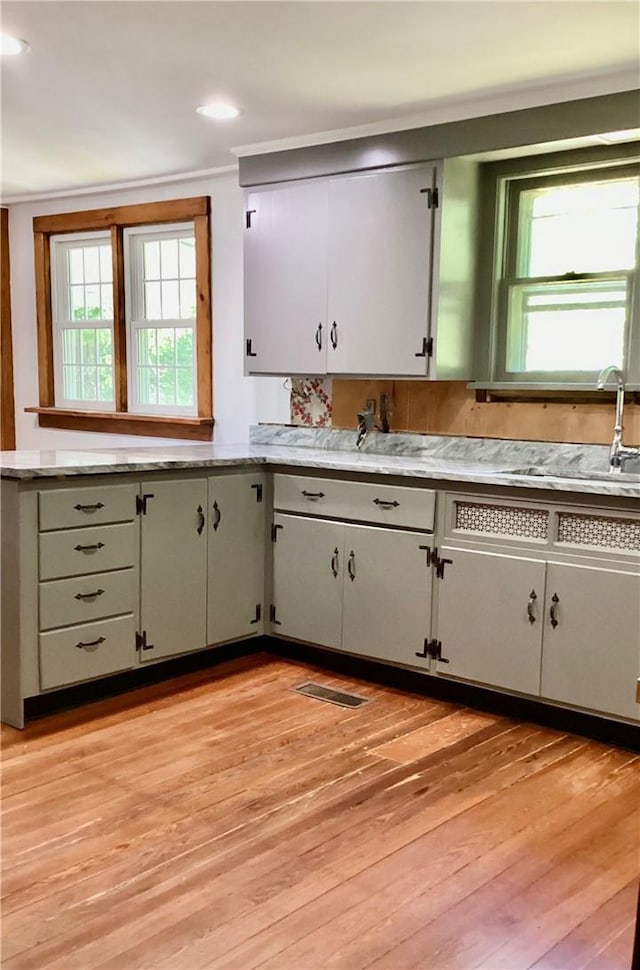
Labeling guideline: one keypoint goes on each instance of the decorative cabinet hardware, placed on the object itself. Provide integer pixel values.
(272, 616)
(258, 488)
(433, 651)
(427, 348)
(89, 596)
(319, 336)
(430, 552)
(386, 503)
(433, 199)
(89, 508)
(249, 350)
(333, 335)
(141, 641)
(312, 494)
(440, 564)
(351, 565)
(553, 610)
(247, 217)
(274, 532)
(530, 606)
(141, 502)
(90, 643)
(217, 516)
(89, 548)
(201, 520)
(258, 615)
(335, 562)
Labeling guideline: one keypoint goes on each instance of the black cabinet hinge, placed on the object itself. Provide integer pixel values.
(433, 651)
(433, 197)
(430, 553)
(272, 616)
(441, 563)
(249, 351)
(141, 503)
(141, 641)
(427, 348)
(258, 615)
(438, 562)
(274, 532)
(258, 488)
(247, 217)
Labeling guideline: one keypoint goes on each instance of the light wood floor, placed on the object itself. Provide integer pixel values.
(219, 820)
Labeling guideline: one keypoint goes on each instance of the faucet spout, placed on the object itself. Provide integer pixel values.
(618, 454)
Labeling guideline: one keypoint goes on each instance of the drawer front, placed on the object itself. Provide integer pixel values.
(88, 651)
(68, 508)
(393, 505)
(87, 598)
(76, 552)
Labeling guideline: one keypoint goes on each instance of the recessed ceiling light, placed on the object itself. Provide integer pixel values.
(220, 110)
(12, 45)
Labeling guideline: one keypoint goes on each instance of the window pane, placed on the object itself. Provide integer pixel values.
(106, 267)
(566, 327)
(166, 385)
(105, 346)
(89, 383)
(71, 346)
(187, 299)
(187, 249)
(93, 302)
(91, 264)
(106, 299)
(71, 383)
(88, 346)
(169, 258)
(105, 384)
(76, 266)
(167, 347)
(170, 301)
(147, 385)
(151, 256)
(589, 227)
(152, 306)
(76, 303)
(147, 354)
(184, 347)
(184, 382)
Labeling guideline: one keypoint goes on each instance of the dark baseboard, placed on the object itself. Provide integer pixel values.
(494, 702)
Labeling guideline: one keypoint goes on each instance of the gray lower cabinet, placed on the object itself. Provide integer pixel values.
(236, 556)
(490, 618)
(591, 655)
(173, 567)
(362, 589)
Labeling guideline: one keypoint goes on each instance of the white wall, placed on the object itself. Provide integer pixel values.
(237, 401)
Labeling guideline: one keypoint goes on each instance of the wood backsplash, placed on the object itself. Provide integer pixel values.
(451, 408)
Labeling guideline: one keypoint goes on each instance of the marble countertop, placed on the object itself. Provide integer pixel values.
(565, 468)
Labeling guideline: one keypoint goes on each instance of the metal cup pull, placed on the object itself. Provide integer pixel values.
(530, 606)
(553, 610)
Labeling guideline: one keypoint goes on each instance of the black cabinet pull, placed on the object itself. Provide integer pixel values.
(91, 548)
(89, 596)
(201, 520)
(89, 508)
(333, 335)
(319, 336)
(386, 503)
(90, 643)
(351, 565)
(530, 606)
(553, 611)
(217, 515)
(312, 494)
(335, 562)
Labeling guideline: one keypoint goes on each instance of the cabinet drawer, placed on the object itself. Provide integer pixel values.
(84, 652)
(66, 508)
(394, 505)
(76, 552)
(87, 598)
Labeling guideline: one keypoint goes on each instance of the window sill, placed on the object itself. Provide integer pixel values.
(116, 422)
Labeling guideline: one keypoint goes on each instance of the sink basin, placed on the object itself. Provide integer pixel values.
(542, 471)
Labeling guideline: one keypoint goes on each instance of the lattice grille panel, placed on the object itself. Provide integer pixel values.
(605, 532)
(502, 520)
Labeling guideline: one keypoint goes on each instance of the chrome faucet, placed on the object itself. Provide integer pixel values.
(618, 454)
(367, 420)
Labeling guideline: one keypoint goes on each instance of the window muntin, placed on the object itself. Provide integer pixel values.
(160, 297)
(82, 305)
(570, 267)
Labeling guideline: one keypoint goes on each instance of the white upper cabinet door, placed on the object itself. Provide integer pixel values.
(285, 279)
(490, 618)
(379, 272)
(591, 654)
(173, 582)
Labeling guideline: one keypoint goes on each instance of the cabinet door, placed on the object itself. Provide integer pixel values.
(591, 658)
(173, 582)
(308, 564)
(285, 279)
(379, 272)
(387, 594)
(483, 618)
(235, 585)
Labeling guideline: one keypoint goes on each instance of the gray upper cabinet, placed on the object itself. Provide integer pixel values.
(363, 274)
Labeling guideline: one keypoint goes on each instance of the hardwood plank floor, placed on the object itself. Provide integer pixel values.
(220, 820)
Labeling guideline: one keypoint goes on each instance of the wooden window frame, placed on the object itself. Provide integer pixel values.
(7, 406)
(116, 220)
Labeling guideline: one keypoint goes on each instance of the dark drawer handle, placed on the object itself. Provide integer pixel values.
(91, 643)
(89, 596)
(96, 545)
(385, 503)
(312, 494)
(201, 520)
(89, 508)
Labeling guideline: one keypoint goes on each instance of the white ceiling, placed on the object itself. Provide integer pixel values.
(108, 91)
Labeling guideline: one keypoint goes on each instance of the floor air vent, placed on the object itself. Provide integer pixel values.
(340, 697)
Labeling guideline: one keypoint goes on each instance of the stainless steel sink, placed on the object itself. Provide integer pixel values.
(552, 471)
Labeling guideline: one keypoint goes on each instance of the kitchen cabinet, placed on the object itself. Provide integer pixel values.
(542, 600)
(173, 567)
(236, 556)
(369, 273)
